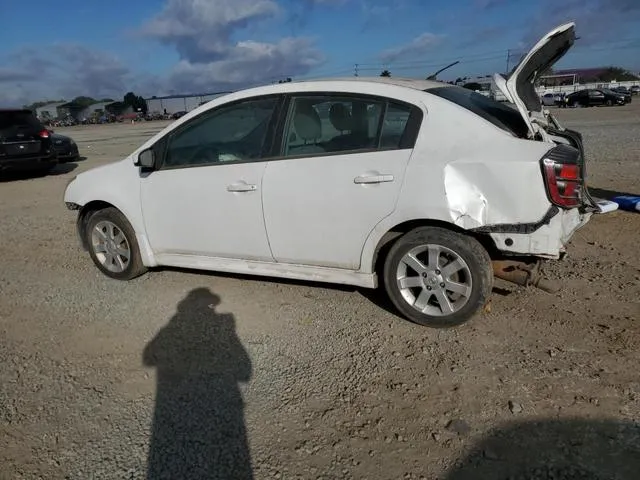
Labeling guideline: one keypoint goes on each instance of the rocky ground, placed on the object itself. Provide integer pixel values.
(291, 380)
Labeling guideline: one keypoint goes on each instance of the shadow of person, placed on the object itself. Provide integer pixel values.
(198, 425)
(571, 449)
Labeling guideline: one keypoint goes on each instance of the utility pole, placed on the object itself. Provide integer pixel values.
(508, 58)
(355, 73)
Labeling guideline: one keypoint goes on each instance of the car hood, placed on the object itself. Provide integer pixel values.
(519, 86)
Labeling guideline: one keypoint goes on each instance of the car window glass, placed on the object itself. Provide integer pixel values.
(330, 124)
(229, 133)
(394, 125)
(501, 115)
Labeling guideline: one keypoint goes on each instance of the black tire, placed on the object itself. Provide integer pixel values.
(134, 268)
(609, 103)
(467, 248)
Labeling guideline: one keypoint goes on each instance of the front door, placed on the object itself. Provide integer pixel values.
(205, 198)
(343, 167)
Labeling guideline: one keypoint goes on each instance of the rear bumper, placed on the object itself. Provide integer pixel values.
(548, 240)
(25, 164)
(67, 153)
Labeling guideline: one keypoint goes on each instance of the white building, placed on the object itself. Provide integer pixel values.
(49, 111)
(179, 103)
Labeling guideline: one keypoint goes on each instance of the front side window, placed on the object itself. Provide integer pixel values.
(229, 133)
(331, 124)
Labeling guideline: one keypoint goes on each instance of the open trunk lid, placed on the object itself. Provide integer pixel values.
(519, 86)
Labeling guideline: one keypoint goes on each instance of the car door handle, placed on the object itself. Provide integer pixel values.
(373, 179)
(241, 187)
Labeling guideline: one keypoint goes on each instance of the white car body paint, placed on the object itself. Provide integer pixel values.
(309, 218)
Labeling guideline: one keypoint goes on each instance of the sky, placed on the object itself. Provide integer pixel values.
(60, 50)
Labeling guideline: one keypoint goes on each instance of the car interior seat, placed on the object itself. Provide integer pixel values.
(308, 127)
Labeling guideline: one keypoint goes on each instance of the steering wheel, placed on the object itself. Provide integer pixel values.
(205, 154)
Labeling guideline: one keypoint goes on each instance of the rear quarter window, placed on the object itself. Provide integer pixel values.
(498, 113)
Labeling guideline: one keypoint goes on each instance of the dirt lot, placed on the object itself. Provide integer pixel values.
(195, 375)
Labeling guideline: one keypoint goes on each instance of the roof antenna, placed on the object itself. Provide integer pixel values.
(433, 76)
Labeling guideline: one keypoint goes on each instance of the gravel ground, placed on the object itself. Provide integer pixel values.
(192, 375)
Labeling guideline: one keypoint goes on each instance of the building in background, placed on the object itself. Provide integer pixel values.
(179, 103)
(49, 111)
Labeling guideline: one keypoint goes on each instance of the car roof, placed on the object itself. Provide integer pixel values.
(414, 83)
(336, 84)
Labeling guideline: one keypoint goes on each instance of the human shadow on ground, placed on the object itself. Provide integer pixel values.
(573, 449)
(198, 424)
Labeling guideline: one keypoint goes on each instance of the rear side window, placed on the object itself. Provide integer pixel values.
(13, 121)
(499, 114)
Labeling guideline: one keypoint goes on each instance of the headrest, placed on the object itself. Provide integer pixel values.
(307, 122)
(340, 117)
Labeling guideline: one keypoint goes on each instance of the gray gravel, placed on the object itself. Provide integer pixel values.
(195, 375)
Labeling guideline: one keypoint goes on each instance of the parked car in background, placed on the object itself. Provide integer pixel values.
(65, 147)
(360, 181)
(592, 97)
(25, 143)
(178, 115)
(635, 89)
(624, 92)
(552, 99)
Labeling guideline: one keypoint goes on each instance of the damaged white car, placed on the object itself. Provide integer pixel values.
(425, 188)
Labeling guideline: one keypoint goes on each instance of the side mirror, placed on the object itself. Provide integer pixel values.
(146, 159)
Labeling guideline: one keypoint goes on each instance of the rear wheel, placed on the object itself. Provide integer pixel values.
(113, 246)
(438, 278)
(609, 103)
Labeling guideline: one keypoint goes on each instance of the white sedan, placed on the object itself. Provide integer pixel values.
(425, 188)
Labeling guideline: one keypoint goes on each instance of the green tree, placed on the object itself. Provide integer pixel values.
(83, 101)
(136, 102)
(611, 74)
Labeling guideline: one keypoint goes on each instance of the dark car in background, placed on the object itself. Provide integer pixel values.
(625, 92)
(635, 89)
(25, 143)
(65, 147)
(591, 97)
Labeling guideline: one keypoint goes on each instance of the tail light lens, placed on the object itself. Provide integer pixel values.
(563, 176)
(44, 134)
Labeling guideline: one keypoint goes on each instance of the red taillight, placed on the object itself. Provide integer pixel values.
(44, 134)
(563, 183)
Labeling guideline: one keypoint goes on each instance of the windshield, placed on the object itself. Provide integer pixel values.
(499, 114)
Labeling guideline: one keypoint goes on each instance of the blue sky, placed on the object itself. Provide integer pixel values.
(52, 50)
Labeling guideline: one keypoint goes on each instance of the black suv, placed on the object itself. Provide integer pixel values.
(25, 144)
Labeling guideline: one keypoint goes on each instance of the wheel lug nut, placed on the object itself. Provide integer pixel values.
(437, 272)
(442, 285)
(428, 288)
(424, 275)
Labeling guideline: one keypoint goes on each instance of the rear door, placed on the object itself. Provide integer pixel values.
(596, 97)
(21, 134)
(341, 168)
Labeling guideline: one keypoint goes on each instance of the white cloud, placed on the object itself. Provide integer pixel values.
(415, 49)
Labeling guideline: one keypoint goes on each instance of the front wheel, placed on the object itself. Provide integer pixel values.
(113, 246)
(438, 278)
(609, 103)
